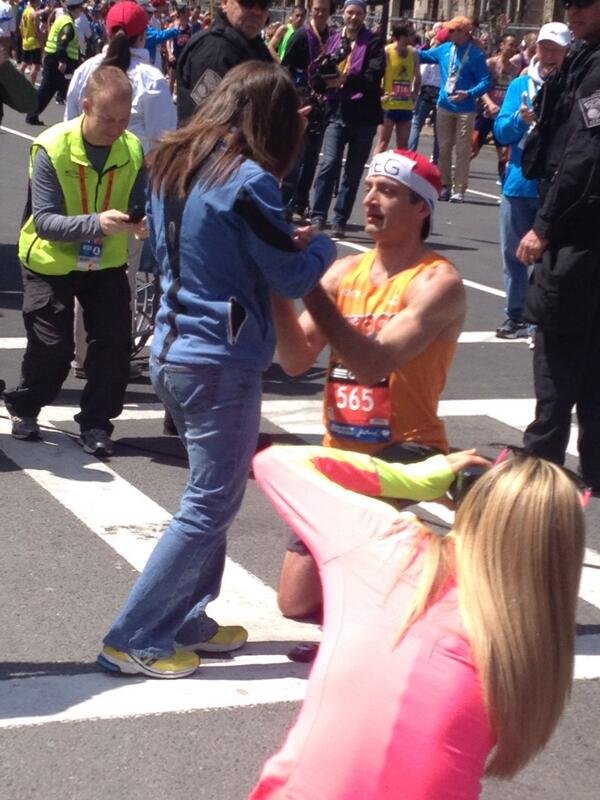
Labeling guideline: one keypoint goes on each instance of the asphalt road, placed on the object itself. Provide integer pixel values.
(74, 531)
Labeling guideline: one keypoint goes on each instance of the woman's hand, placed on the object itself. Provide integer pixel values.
(466, 458)
(140, 230)
(302, 237)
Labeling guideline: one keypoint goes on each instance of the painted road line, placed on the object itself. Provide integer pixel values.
(252, 678)
(130, 522)
(484, 194)
(466, 337)
(483, 288)
(17, 133)
(471, 284)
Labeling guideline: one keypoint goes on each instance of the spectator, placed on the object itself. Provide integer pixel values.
(220, 236)
(304, 57)
(234, 37)
(440, 660)
(84, 174)
(464, 78)
(426, 104)
(355, 115)
(520, 197)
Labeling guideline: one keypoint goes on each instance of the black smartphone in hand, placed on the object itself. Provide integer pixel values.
(136, 214)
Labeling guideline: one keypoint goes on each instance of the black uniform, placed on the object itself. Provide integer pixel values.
(207, 57)
(564, 295)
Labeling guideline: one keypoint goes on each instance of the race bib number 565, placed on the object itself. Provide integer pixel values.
(357, 412)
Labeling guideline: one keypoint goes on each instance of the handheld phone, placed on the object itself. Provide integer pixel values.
(136, 214)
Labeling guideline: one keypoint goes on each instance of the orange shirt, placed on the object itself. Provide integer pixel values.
(403, 406)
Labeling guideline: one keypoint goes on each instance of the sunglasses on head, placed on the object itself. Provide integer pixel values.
(579, 484)
(578, 3)
(262, 4)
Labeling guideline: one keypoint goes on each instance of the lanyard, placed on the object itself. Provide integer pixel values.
(84, 195)
(462, 61)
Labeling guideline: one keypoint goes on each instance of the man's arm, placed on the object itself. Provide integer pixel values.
(417, 79)
(436, 303)
(275, 41)
(299, 339)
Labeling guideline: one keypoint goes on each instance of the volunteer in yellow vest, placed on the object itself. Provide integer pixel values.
(30, 38)
(84, 176)
(401, 86)
(61, 58)
(392, 317)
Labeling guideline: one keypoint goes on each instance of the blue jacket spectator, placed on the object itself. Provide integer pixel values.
(473, 74)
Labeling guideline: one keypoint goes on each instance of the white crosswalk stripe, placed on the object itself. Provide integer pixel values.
(129, 522)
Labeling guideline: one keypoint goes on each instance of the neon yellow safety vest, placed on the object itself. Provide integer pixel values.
(398, 79)
(55, 33)
(84, 192)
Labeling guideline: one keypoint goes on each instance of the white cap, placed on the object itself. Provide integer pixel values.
(556, 32)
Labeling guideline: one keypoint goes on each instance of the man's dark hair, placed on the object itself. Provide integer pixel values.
(415, 198)
(401, 29)
(300, 8)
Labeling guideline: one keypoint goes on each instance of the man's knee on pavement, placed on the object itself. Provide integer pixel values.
(299, 594)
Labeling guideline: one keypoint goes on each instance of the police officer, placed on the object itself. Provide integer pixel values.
(563, 300)
(234, 37)
(61, 58)
(85, 175)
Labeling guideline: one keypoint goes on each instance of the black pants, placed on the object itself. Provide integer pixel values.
(48, 303)
(566, 374)
(52, 81)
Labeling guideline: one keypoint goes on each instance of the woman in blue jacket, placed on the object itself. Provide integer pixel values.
(220, 236)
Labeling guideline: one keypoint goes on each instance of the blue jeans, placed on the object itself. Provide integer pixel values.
(516, 218)
(217, 414)
(358, 139)
(423, 108)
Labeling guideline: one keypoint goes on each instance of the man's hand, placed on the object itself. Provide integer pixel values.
(492, 109)
(531, 248)
(527, 114)
(464, 459)
(459, 96)
(62, 67)
(113, 221)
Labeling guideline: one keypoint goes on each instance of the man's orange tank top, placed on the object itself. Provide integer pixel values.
(403, 406)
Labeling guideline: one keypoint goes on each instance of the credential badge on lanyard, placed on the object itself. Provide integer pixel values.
(90, 251)
(453, 72)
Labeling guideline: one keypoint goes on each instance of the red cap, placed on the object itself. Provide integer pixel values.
(442, 35)
(128, 16)
(411, 169)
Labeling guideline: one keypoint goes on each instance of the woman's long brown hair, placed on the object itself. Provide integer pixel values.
(253, 113)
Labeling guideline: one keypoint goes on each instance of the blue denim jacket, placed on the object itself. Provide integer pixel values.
(235, 248)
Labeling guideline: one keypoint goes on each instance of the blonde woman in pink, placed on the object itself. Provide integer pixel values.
(443, 658)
